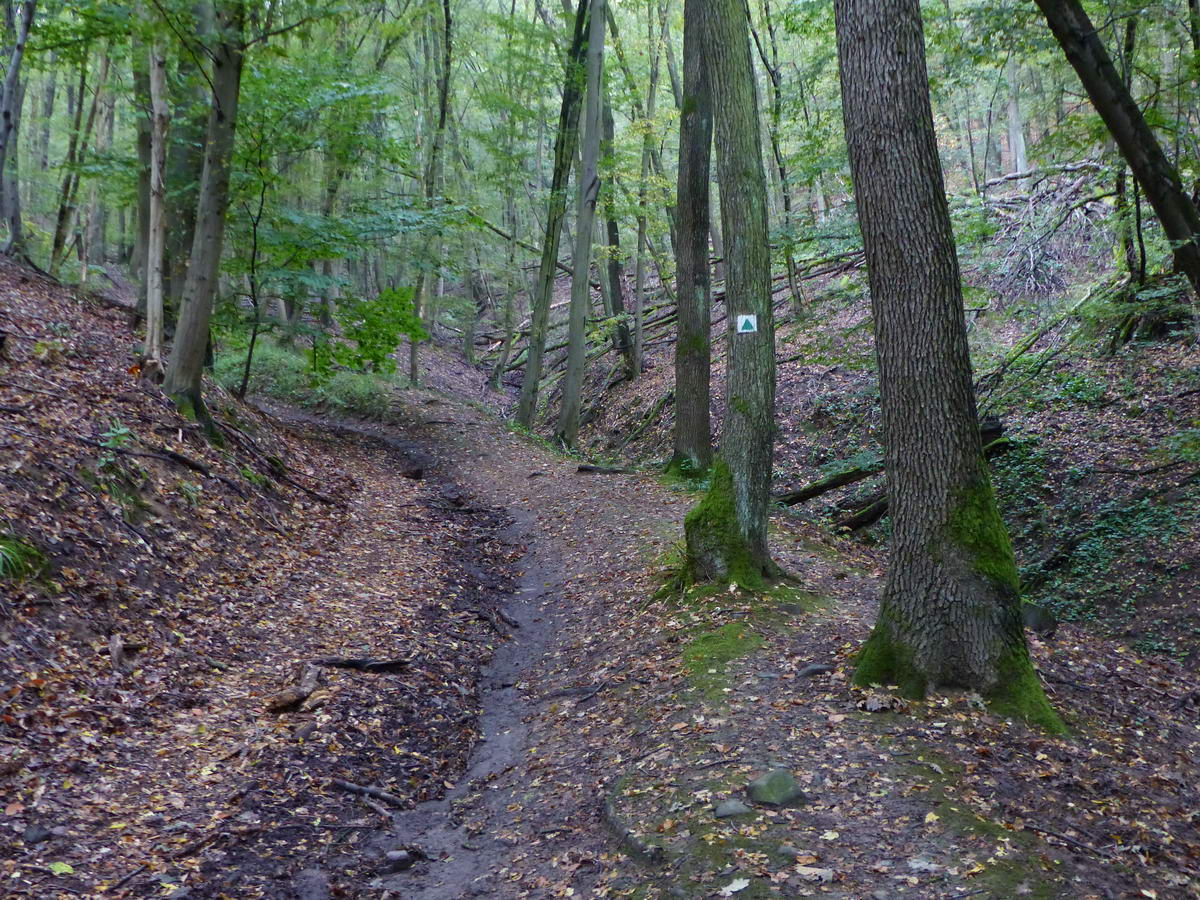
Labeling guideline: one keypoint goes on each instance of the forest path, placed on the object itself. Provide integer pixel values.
(587, 538)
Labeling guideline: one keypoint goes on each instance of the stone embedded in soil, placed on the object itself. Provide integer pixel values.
(729, 808)
(776, 788)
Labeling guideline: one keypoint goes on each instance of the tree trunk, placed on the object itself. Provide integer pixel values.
(727, 532)
(1159, 179)
(433, 173)
(589, 189)
(774, 72)
(950, 613)
(185, 368)
(185, 165)
(48, 112)
(159, 121)
(564, 152)
(77, 149)
(11, 96)
(616, 280)
(10, 200)
(1016, 125)
(693, 353)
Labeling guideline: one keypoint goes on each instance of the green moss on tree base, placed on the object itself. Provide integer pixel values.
(1019, 695)
(975, 526)
(716, 548)
(882, 661)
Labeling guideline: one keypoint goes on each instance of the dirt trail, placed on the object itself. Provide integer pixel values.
(584, 541)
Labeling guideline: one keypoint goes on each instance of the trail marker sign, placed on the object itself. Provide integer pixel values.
(747, 324)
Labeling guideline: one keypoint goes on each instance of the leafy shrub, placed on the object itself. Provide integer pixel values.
(375, 327)
(289, 375)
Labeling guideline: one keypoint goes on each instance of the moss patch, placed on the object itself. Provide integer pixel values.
(1019, 695)
(975, 526)
(708, 655)
(717, 550)
(883, 661)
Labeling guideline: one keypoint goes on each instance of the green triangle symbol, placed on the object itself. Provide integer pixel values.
(747, 325)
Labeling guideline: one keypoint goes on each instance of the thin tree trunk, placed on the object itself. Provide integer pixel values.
(589, 189)
(727, 532)
(48, 112)
(12, 96)
(693, 353)
(186, 365)
(433, 173)
(1141, 149)
(1016, 125)
(159, 121)
(185, 165)
(564, 152)
(616, 280)
(68, 197)
(950, 613)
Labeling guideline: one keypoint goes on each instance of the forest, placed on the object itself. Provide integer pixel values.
(668, 448)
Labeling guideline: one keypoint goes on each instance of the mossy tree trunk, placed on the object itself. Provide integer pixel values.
(727, 532)
(567, 431)
(950, 614)
(186, 365)
(564, 152)
(693, 355)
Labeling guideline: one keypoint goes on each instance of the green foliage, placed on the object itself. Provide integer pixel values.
(376, 328)
(116, 437)
(19, 559)
(288, 375)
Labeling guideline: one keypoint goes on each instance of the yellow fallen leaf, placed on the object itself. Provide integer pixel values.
(931, 817)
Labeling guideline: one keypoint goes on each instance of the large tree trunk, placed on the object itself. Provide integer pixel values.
(186, 365)
(693, 353)
(159, 120)
(564, 152)
(727, 532)
(1159, 179)
(589, 189)
(950, 613)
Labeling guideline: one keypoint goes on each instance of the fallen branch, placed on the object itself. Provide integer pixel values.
(605, 470)
(310, 677)
(362, 664)
(367, 791)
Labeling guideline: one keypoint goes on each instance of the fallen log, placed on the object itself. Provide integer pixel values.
(991, 429)
(875, 507)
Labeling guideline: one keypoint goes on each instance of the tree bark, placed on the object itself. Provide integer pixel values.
(693, 352)
(616, 279)
(564, 152)
(186, 364)
(156, 239)
(433, 173)
(11, 96)
(950, 612)
(589, 189)
(1016, 125)
(1159, 179)
(727, 532)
